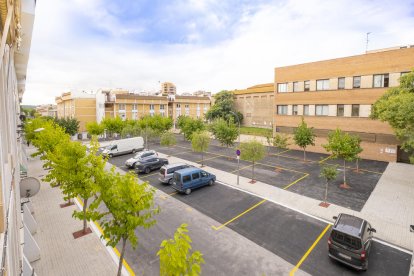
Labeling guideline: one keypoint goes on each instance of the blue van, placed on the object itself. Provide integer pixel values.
(188, 179)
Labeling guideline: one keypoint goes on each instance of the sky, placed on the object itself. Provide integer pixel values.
(211, 45)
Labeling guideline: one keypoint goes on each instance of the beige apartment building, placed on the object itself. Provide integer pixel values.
(81, 106)
(256, 104)
(47, 110)
(338, 93)
(168, 88)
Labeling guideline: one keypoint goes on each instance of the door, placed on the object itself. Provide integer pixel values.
(402, 155)
(196, 180)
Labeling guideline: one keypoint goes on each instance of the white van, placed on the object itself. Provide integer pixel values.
(124, 146)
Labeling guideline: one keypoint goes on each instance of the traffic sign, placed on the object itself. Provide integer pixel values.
(238, 152)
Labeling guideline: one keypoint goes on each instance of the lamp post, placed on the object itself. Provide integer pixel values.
(238, 150)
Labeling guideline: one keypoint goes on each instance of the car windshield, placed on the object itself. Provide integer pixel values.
(346, 240)
(177, 177)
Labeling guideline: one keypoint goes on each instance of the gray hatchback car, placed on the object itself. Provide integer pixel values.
(167, 171)
(350, 241)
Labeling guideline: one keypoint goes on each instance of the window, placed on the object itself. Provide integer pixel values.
(307, 85)
(381, 80)
(356, 82)
(162, 107)
(186, 178)
(340, 110)
(355, 110)
(282, 87)
(295, 86)
(341, 83)
(178, 105)
(321, 110)
(306, 110)
(121, 106)
(203, 174)
(195, 176)
(282, 109)
(134, 107)
(294, 109)
(151, 107)
(187, 106)
(322, 85)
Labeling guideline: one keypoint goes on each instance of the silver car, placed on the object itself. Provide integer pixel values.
(130, 163)
(167, 171)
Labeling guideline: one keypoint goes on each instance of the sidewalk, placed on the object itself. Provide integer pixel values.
(60, 253)
(390, 208)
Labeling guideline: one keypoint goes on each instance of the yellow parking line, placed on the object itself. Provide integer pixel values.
(282, 168)
(354, 168)
(242, 168)
(148, 175)
(323, 160)
(236, 217)
(124, 262)
(183, 152)
(208, 158)
(292, 272)
(276, 154)
(173, 194)
(296, 181)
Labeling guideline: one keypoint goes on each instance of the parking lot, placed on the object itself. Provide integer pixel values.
(288, 234)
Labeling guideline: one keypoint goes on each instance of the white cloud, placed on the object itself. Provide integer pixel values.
(278, 34)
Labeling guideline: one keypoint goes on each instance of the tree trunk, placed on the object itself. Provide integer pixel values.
(85, 223)
(304, 154)
(253, 172)
(357, 165)
(202, 158)
(121, 258)
(326, 192)
(344, 173)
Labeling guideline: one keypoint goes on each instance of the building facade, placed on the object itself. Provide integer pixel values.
(256, 105)
(168, 88)
(339, 93)
(47, 110)
(17, 18)
(81, 106)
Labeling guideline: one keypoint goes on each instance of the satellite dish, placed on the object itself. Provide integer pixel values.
(29, 186)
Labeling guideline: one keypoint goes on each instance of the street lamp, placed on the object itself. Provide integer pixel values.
(238, 150)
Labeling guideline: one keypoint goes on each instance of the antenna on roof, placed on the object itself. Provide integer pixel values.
(366, 47)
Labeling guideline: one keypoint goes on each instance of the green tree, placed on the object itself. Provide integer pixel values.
(93, 128)
(329, 173)
(345, 146)
(168, 139)
(226, 132)
(304, 137)
(70, 125)
(130, 130)
(113, 125)
(130, 205)
(176, 256)
(252, 151)
(223, 106)
(396, 107)
(200, 141)
(192, 126)
(280, 141)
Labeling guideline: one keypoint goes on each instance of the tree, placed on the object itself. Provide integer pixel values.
(200, 141)
(252, 151)
(176, 257)
(225, 132)
(304, 137)
(130, 130)
(93, 128)
(168, 139)
(130, 205)
(396, 107)
(70, 125)
(329, 173)
(280, 141)
(113, 125)
(223, 106)
(191, 126)
(345, 146)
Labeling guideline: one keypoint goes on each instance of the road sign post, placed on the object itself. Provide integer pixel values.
(238, 165)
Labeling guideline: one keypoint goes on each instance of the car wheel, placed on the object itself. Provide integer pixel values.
(110, 155)
(147, 170)
(188, 191)
(170, 181)
(211, 182)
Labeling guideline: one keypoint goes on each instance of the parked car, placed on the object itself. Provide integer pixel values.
(124, 146)
(130, 163)
(150, 163)
(350, 241)
(167, 171)
(186, 180)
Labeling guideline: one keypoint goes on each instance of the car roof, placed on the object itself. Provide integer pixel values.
(168, 166)
(189, 170)
(349, 224)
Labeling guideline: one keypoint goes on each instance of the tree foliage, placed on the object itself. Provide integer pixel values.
(396, 107)
(113, 125)
(329, 173)
(130, 204)
(252, 151)
(93, 128)
(226, 132)
(343, 145)
(70, 125)
(200, 141)
(168, 139)
(176, 255)
(157, 123)
(223, 107)
(188, 126)
(304, 137)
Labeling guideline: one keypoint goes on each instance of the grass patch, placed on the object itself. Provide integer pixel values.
(255, 131)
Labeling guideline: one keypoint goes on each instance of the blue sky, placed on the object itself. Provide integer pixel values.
(198, 44)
